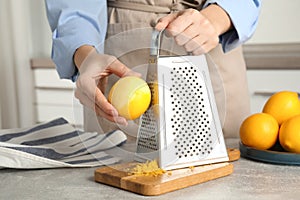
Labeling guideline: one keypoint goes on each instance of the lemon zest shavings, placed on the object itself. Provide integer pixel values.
(150, 168)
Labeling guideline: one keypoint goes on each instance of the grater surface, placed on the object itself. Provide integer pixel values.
(148, 130)
(147, 143)
(191, 116)
(190, 133)
(181, 128)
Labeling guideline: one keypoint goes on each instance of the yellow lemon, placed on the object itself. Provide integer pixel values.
(283, 105)
(259, 130)
(131, 97)
(155, 99)
(289, 134)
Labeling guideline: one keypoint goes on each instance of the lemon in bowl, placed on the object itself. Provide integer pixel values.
(283, 105)
(259, 130)
(131, 97)
(289, 134)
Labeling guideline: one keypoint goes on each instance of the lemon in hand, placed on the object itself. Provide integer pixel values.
(260, 131)
(131, 97)
(289, 134)
(283, 105)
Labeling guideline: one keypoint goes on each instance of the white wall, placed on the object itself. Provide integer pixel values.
(16, 95)
(278, 23)
(40, 30)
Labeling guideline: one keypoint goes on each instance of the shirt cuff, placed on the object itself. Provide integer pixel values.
(244, 17)
(69, 37)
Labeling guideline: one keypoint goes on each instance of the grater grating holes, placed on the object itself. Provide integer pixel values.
(191, 114)
(148, 132)
(148, 129)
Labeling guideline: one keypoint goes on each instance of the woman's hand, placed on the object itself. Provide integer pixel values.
(197, 31)
(94, 70)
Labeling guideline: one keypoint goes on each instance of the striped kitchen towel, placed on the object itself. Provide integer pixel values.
(56, 144)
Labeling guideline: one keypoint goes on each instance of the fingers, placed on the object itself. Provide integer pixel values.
(102, 83)
(190, 29)
(87, 86)
(99, 110)
(176, 23)
(165, 21)
(204, 48)
(181, 23)
(84, 100)
(91, 96)
(87, 89)
(103, 104)
(194, 43)
(188, 34)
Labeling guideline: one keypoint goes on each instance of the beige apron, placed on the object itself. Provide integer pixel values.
(128, 38)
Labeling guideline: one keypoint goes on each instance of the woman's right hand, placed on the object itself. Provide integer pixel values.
(94, 69)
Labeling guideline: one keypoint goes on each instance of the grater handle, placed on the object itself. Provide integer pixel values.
(155, 46)
(155, 43)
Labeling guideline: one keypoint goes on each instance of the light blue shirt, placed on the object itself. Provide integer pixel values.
(84, 22)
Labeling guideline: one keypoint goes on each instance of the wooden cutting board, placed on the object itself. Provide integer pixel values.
(119, 177)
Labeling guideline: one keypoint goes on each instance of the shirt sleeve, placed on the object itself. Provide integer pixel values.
(73, 24)
(244, 17)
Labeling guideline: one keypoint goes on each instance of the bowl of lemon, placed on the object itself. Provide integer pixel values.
(273, 135)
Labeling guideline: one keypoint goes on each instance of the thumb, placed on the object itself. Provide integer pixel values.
(165, 21)
(121, 70)
(133, 73)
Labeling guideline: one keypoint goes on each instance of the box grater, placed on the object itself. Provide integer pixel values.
(181, 127)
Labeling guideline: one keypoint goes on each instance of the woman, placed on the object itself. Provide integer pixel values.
(216, 27)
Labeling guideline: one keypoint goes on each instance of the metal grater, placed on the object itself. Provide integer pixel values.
(181, 128)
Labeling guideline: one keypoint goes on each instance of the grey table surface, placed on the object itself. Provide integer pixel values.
(250, 180)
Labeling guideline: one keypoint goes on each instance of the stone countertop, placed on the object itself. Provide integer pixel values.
(250, 180)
